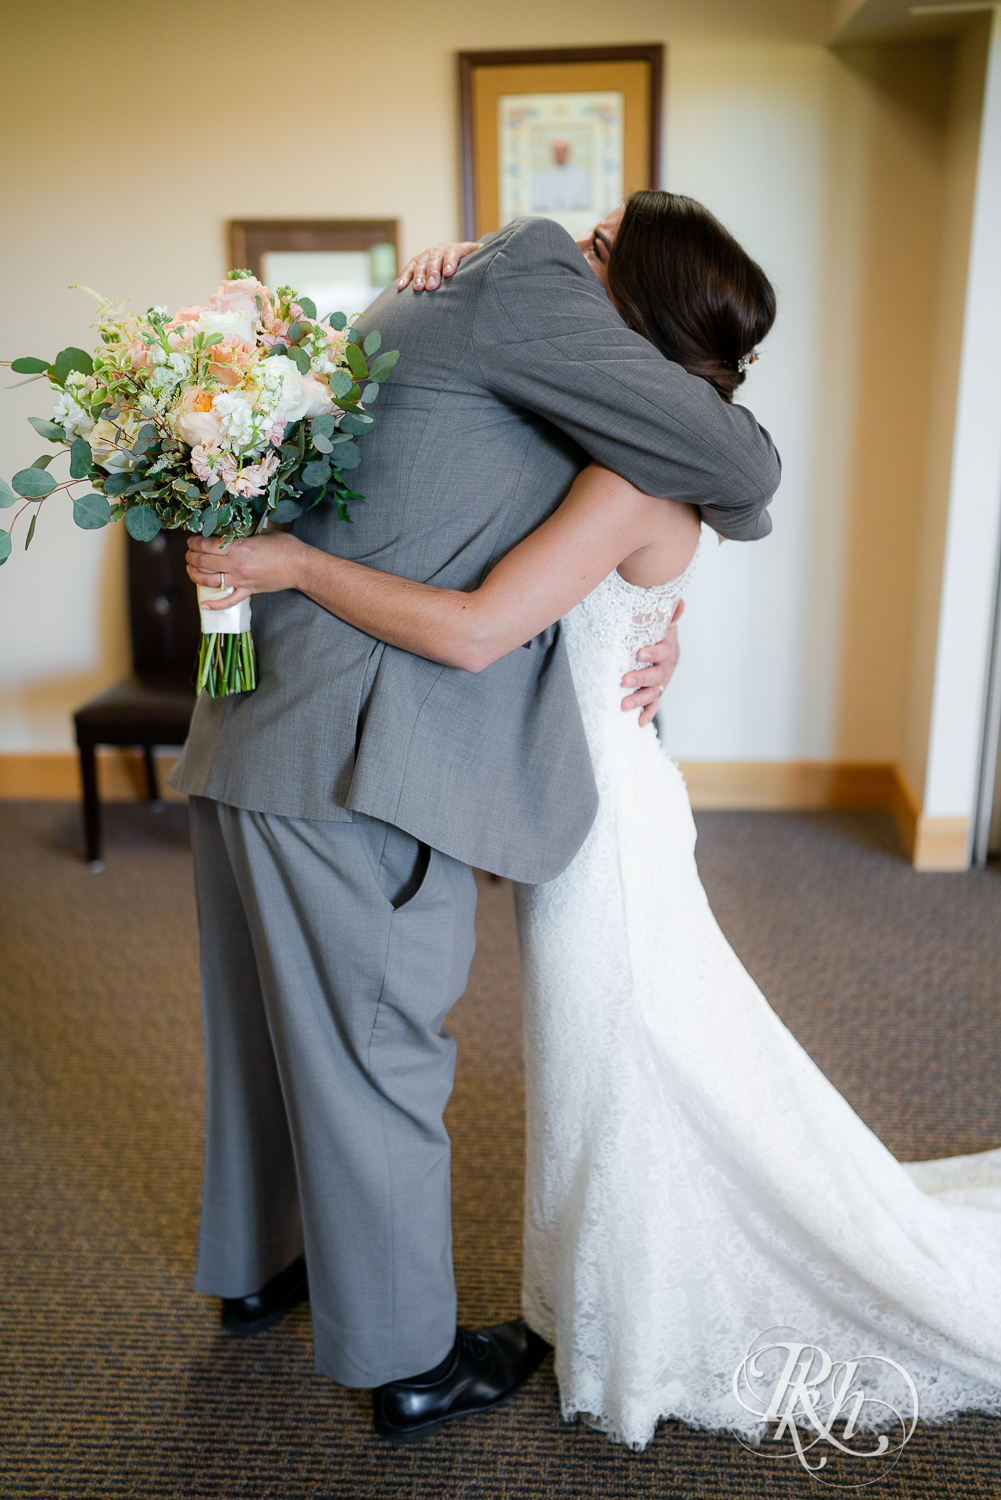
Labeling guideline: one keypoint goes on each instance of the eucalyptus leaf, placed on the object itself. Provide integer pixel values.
(286, 511)
(81, 459)
(299, 330)
(72, 359)
(31, 531)
(18, 383)
(91, 512)
(324, 424)
(146, 438)
(44, 461)
(299, 357)
(217, 491)
(356, 361)
(4, 546)
(210, 521)
(33, 484)
(382, 367)
(225, 515)
(46, 429)
(340, 382)
(142, 522)
(28, 365)
(348, 456)
(308, 306)
(7, 495)
(322, 444)
(275, 350)
(337, 320)
(316, 473)
(370, 393)
(354, 334)
(357, 424)
(372, 343)
(117, 484)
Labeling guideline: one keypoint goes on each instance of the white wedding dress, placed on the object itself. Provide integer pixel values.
(693, 1179)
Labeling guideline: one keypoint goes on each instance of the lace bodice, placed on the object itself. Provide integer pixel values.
(621, 618)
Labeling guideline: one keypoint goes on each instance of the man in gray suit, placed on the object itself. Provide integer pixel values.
(338, 810)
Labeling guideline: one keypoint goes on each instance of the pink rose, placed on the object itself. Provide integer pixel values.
(194, 420)
(316, 390)
(189, 314)
(139, 354)
(238, 296)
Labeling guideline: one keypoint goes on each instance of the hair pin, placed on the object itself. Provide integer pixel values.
(746, 360)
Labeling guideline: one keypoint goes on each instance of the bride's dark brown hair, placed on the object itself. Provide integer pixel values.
(682, 281)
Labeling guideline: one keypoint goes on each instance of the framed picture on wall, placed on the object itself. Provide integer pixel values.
(563, 134)
(343, 264)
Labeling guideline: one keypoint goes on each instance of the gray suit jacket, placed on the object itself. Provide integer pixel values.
(511, 376)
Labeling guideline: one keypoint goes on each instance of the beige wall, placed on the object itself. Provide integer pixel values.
(833, 169)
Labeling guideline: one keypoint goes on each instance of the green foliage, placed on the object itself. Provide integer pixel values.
(44, 461)
(347, 456)
(71, 359)
(4, 546)
(299, 357)
(117, 484)
(286, 511)
(372, 343)
(80, 459)
(33, 484)
(91, 512)
(340, 383)
(321, 444)
(357, 423)
(299, 330)
(142, 522)
(356, 361)
(382, 367)
(324, 425)
(308, 306)
(337, 321)
(147, 436)
(7, 495)
(50, 430)
(210, 521)
(31, 531)
(316, 473)
(370, 393)
(216, 492)
(29, 366)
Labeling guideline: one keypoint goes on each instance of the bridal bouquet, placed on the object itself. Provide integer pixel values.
(216, 419)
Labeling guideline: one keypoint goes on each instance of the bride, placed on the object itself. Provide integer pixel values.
(693, 1179)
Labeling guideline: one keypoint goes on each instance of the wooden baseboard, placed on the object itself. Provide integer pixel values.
(55, 776)
(790, 785)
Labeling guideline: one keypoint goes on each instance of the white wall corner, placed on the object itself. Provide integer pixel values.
(969, 575)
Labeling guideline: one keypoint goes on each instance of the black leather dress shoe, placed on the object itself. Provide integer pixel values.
(245, 1316)
(483, 1370)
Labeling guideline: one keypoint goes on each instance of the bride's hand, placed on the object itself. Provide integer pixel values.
(427, 269)
(256, 565)
(649, 682)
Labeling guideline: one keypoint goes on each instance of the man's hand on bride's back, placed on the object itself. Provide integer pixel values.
(648, 681)
(427, 269)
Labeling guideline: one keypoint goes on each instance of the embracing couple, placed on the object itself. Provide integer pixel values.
(441, 688)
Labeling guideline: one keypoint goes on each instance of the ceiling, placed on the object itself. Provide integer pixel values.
(895, 20)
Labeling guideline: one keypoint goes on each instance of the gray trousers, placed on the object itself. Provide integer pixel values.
(331, 954)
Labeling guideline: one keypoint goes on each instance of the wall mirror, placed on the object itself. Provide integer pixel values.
(342, 264)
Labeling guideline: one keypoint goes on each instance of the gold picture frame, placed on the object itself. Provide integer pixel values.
(558, 133)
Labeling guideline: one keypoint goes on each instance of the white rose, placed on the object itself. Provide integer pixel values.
(317, 392)
(104, 444)
(235, 327)
(281, 375)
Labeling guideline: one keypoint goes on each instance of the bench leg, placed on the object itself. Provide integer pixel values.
(91, 807)
(152, 786)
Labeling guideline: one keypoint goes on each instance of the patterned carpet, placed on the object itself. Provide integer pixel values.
(115, 1379)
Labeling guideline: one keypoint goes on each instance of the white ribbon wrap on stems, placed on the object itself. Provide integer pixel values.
(232, 621)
